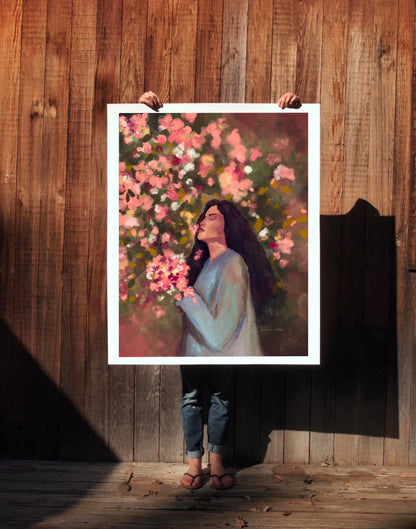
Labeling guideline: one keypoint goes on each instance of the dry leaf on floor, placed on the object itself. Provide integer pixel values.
(287, 513)
(240, 522)
(267, 508)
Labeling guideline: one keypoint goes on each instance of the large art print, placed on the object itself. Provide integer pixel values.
(179, 181)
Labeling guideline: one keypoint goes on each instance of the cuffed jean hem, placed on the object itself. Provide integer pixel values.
(196, 454)
(217, 449)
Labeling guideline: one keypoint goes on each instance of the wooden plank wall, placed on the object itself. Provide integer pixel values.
(61, 62)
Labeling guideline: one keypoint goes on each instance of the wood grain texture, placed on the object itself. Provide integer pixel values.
(272, 413)
(381, 140)
(79, 186)
(396, 450)
(297, 415)
(147, 414)
(158, 48)
(412, 191)
(208, 51)
(284, 51)
(133, 51)
(70, 495)
(357, 102)
(121, 419)
(98, 377)
(171, 435)
(248, 414)
(11, 395)
(52, 209)
(333, 87)
(234, 51)
(309, 50)
(259, 47)
(182, 73)
(28, 210)
(10, 47)
(381, 149)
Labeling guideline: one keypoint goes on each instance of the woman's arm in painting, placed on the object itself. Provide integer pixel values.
(219, 324)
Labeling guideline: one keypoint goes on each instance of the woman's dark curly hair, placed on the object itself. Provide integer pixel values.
(242, 238)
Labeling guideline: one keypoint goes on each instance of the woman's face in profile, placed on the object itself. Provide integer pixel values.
(211, 227)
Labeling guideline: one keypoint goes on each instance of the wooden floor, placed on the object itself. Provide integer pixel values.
(60, 495)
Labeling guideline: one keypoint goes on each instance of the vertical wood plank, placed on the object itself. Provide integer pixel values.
(247, 414)
(29, 168)
(259, 48)
(308, 83)
(272, 413)
(182, 72)
(28, 187)
(298, 382)
(12, 383)
(10, 48)
(139, 386)
(297, 421)
(333, 81)
(147, 414)
(158, 48)
(333, 87)
(133, 51)
(412, 250)
(98, 378)
(79, 185)
(396, 451)
(347, 348)
(121, 378)
(121, 417)
(357, 123)
(208, 51)
(171, 435)
(412, 414)
(383, 92)
(49, 297)
(412, 191)
(358, 101)
(309, 50)
(284, 49)
(381, 147)
(234, 52)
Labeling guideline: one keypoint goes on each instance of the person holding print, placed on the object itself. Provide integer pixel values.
(232, 283)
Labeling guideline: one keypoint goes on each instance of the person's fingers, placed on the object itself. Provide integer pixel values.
(289, 100)
(151, 100)
(284, 100)
(294, 102)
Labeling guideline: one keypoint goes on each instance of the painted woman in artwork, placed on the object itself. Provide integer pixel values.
(232, 281)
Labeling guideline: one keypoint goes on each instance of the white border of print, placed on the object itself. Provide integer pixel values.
(313, 111)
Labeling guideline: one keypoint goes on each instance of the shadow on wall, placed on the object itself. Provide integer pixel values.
(37, 421)
(355, 389)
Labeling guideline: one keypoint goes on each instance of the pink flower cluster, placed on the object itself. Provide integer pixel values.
(167, 275)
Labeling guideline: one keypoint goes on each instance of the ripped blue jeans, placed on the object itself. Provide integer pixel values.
(218, 381)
